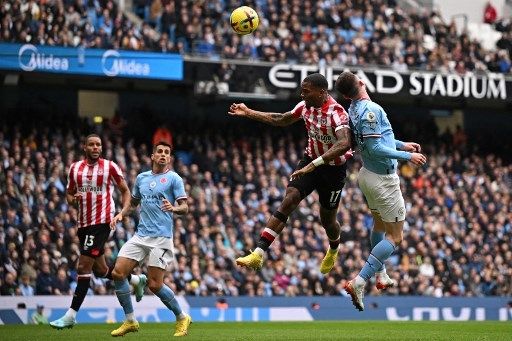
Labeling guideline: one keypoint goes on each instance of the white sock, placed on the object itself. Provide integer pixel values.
(260, 251)
(181, 316)
(135, 280)
(130, 317)
(71, 313)
(360, 281)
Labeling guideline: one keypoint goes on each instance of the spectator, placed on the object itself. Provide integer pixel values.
(45, 281)
(26, 288)
(61, 285)
(490, 13)
(38, 316)
(162, 134)
(9, 287)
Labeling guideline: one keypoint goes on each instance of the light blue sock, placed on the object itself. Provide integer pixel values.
(375, 238)
(166, 295)
(376, 259)
(123, 295)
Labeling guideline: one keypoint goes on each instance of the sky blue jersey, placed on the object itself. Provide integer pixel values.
(374, 137)
(151, 189)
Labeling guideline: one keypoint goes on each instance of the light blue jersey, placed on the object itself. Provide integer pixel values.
(151, 189)
(374, 137)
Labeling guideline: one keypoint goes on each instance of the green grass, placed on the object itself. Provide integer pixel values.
(318, 330)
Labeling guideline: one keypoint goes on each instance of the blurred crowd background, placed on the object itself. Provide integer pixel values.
(458, 232)
(329, 32)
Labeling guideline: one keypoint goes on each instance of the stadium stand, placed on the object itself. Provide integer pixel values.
(458, 240)
(358, 32)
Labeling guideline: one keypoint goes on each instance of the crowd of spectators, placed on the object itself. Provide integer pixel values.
(458, 232)
(330, 32)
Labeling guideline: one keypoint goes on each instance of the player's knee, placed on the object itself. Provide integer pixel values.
(154, 286)
(100, 272)
(84, 269)
(117, 275)
(291, 201)
(397, 240)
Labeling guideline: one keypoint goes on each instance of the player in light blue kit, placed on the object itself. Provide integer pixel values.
(156, 191)
(378, 180)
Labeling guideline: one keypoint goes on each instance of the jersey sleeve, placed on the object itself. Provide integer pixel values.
(71, 187)
(340, 118)
(371, 124)
(136, 188)
(178, 188)
(297, 111)
(116, 173)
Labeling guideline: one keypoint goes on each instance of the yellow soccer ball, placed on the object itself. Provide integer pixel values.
(244, 20)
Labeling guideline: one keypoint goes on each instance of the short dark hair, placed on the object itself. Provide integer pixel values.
(317, 80)
(89, 136)
(347, 84)
(161, 143)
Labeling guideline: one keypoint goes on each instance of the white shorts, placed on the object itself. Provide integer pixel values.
(383, 194)
(158, 251)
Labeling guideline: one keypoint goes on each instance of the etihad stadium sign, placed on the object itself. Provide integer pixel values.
(389, 82)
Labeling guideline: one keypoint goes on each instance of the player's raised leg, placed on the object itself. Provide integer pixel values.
(333, 229)
(382, 279)
(121, 270)
(376, 259)
(275, 225)
(167, 296)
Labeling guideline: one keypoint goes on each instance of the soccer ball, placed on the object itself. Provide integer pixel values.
(244, 20)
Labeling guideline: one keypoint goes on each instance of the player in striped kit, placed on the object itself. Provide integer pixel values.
(327, 123)
(90, 186)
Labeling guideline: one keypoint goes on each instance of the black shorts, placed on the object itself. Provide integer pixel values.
(326, 179)
(93, 239)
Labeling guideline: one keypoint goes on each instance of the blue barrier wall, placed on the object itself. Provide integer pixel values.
(97, 309)
(381, 308)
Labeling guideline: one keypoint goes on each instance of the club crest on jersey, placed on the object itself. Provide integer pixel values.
(163, 180)
(323, 121)
(100, 172)
(152, 184)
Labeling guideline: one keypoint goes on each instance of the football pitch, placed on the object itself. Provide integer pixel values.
(318, 330)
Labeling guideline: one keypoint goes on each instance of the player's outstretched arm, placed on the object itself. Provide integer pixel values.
(272, 118)
(340, 147)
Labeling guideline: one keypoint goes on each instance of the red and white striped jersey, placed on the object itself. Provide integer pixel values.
(322, 124)
(96, 184)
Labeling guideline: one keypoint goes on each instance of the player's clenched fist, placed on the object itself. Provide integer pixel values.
(237, 109)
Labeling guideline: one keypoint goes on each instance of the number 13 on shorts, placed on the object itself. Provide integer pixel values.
(89, 240)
